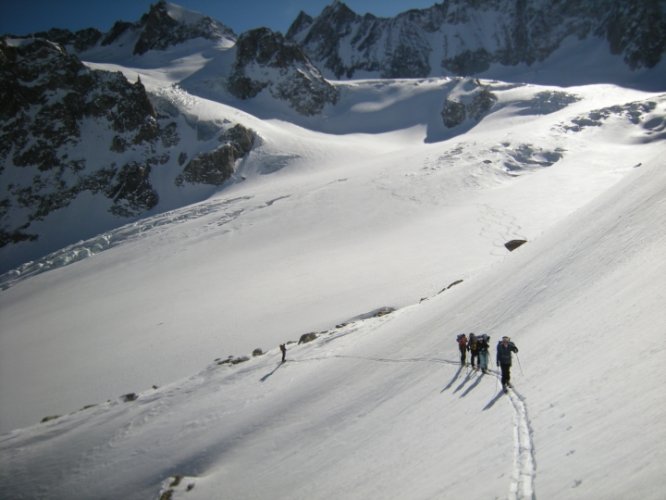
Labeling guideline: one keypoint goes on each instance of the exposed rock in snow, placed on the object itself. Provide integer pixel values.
(465, 38)
(469, 100)
(265, 60)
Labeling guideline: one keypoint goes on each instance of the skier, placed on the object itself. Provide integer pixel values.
(474, 349)
(283, 348)
(462, 345)
(483, 352)
(504, 349)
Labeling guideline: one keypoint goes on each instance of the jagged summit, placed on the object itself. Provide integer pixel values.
(169, 24)
(164, 25)
(463, 38)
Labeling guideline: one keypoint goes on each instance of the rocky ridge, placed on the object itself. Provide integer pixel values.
(265, 60)
(50, 102)
(52, 107)
(163, 26)
(459, 37)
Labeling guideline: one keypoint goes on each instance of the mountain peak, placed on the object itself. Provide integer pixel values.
(167, 24)
(343, 43)
(338, 12)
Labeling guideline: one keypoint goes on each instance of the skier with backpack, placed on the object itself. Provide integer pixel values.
(504, 349)
(473, 348)
(484, 345)
(462, 345)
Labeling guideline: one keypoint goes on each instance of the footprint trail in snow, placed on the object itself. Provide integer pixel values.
(524, 464)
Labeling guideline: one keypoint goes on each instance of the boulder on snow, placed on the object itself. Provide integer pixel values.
(49, 418)
(513, 244)
(454, 283)
(382, 311)
(375, 313)
(233, 361)
(132, 396)
(307, 337)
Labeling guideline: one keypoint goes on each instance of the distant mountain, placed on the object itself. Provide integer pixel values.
(461, 37)
(72, 132)
(69, 133)
(163, 26)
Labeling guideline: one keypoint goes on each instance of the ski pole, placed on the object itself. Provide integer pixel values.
(519, 365)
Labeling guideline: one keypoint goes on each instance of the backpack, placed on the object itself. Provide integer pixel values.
(473, 343)
(462, 340)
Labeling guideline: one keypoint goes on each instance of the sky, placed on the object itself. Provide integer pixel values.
(30, 16)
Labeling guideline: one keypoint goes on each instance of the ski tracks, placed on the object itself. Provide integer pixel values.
(498, 226)
(524, 464)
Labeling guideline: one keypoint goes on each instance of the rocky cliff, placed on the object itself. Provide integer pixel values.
(265, 60)
(67, 131)
(51, 106)
(462, 37)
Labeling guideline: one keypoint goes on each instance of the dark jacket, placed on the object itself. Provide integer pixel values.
(473, 344)
(504, 353)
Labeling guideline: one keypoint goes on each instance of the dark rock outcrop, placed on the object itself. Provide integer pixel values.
(523, 33)
(46, 97)
(80, 41)
(513, 244)
(215, 167)
(231, 360)
(469, 100)
(267, 61)
(307, 337)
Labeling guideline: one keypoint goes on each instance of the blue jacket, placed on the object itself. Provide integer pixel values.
(504, 353)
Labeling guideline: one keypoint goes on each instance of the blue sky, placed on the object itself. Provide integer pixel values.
(28, 16)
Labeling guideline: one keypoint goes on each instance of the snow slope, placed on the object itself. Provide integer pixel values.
(374, 205)
(343, 225)
(379, 408)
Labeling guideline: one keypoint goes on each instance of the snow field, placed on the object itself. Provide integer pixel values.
(346, 223)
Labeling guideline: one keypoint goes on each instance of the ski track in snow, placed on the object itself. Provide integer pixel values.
(498, 227)
(524, 464)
